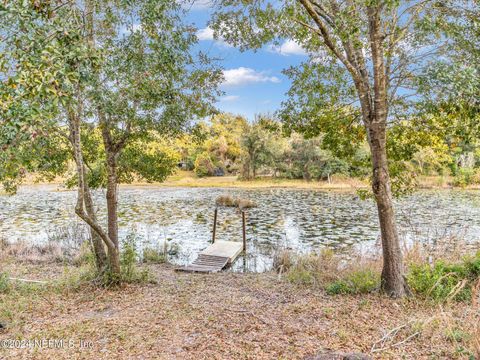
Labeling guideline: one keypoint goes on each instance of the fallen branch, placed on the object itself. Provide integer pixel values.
(28, 281)
(406, 339)
(391, 334)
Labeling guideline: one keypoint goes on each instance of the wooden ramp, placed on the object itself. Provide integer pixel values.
(215, 257)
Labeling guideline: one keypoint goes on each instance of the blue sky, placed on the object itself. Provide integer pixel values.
(254, 82)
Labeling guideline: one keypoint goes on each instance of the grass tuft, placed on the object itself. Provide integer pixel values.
(4, 283)
(153, 256)
(361, 281)
(328, 271)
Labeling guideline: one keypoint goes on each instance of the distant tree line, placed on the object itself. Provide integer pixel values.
(427, 144)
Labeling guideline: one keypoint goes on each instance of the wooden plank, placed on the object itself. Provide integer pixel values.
(216, 263)
(205, 263)
(206, 256)
(196, 268)
(215, 257)
(228, 249)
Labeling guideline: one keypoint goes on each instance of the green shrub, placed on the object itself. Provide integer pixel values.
(301, 276)
(85, 255)
(356, 282)
(130, 272)
(466, 176)
(472, 266)
(364, 281)
(444, 280)
(338, 287)
(151, 255)
(128, 259)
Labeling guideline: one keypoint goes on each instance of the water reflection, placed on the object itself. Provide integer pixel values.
(303, 220)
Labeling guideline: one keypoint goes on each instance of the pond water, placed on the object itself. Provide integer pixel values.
(302, 220)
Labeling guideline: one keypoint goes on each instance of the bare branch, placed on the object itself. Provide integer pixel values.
(327, 37)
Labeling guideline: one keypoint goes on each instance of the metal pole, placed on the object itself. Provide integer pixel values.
(214, 224)
(244, 232)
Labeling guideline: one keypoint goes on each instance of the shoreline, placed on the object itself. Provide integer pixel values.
(349, 185)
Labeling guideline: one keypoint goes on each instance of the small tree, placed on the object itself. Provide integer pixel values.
(258, 147)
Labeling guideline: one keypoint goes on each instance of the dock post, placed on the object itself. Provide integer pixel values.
(214, 224)
(244, 232)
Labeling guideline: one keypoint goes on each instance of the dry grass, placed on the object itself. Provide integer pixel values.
(33, 253)
(286, 314)
(325, 268)
(228, 316)
(442, 182)
(189, 179)
(66, 245)
(184, 178)
(228, 201)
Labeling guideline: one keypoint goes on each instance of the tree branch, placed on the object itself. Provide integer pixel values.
(327, 37)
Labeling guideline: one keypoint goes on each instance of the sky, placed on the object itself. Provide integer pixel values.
(254, 83)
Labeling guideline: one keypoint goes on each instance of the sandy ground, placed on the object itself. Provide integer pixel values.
(221, 316)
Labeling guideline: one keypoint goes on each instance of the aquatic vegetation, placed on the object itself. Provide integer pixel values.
(303, 220)
(200, 218)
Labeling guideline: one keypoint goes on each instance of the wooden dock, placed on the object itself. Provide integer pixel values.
(219, 254)
(215, 257)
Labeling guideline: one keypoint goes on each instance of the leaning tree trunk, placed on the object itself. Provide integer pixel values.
(97, 242)
(86, 196)
(82, 197)
(393, 282)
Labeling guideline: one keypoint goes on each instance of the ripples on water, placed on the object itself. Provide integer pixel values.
(303, 220)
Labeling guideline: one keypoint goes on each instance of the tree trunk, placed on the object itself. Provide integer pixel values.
(83, 196)
(393, 282)
(374, 106)
(112, 210)
(97, 242)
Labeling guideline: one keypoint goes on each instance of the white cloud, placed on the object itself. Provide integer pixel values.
(289, 47)
(229, 98)
(197, 4)
(205, 34)
(243, 76)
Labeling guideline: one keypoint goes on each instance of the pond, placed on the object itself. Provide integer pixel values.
(180, 219)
